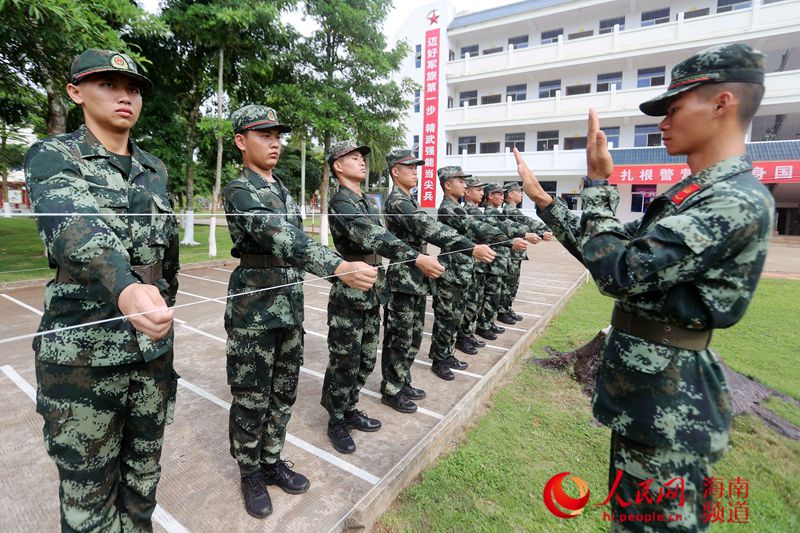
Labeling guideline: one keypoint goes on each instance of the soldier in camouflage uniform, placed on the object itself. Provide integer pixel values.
(404, 313)
(105, 391)
(688, 266)
(512, 197)
(265, 324)
(354, 316)
(451, 288)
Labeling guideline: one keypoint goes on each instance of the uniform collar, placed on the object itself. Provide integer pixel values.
(717, 172)
(90, 147)
(257, 180)
(350, 193)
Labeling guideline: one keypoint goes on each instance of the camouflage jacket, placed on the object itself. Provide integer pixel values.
(693, 260)
(530, 224)
(357, 230)
(459, 267)
(263, 219)
(496, 217)
(409, 223)
(74, 173)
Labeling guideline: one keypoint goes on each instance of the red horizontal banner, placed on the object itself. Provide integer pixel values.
(766, 171)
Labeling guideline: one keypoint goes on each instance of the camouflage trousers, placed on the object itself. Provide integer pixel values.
(511, 285)
(493, 290)
(104, 428)
(473, 303)
(448, 311)
(353, 347)
(263, 368)
(403, 320)
(647, 471)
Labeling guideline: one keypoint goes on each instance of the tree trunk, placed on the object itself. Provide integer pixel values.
(212, 232)
(191, 143)
(58, 108)
(323, 196)
(4, 171)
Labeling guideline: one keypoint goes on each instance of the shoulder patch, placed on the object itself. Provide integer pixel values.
(685, 193)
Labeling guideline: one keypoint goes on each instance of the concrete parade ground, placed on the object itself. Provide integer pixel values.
(199, 487)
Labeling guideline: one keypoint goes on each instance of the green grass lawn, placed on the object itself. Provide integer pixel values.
(540, 424)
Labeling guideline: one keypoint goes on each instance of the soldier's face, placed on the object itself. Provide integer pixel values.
(352, 166)
(405, 176)
(496, 199)
(689, 124)
(457, 187)
(110, 101)
(260, 148)
(514, 197)
(474, 194)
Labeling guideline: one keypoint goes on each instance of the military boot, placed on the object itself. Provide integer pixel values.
(256, 498)
(281, 474)
(463, 344)
(441, 369)
(412, 393)
(475, 342)
(506, 318)
(340, 436)
(359, 420)
(487, 334)
(452, 362)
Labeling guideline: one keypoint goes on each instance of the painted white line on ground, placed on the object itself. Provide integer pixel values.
(19, 381)
(532, 302)
(487, 346)
(162, 517)
(512, 328)
(528, 314)
(203, 333)
(544, 286)
(456, 371)
(310, 448)
(316, 308)
(22, 304)
(224, 269)
(542, 293)
(543, 279)
(203, 279)
(221, 301)
(317, 286)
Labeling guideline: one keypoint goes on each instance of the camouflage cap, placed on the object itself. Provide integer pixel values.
(511, 187)
(403, 157)
(489, 188)
(474, 182)
(341, 149)
(721, 63)
(96, 61)
(257, 117)
(448, 173)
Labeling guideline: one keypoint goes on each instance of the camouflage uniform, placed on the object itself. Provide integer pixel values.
(530, 225)
(353, 315)
(474, 296)
(495, 285)
(105, 391)
(691, 263)
(451, 288)
(265, 329)
(404, 313)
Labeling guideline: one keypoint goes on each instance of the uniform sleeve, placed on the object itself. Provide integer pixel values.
(84, 246)
(363, 231)
(676, 250)
(482, 232)
(530, 223)
(565, 225)
(276, 234)
(445, 237)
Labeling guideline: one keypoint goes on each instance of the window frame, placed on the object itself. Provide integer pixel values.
(512, 143)
(616, 80)
(609, 28)
(650, 74)
(656, 16)
(519, 92)
(643, 195)
(466, 49)
(550, 87)
(484, 146)
(640, 135)
(551, 36)
(579, 87)
(462, 98)
(516, 47)
(463, 142)
(549, 142)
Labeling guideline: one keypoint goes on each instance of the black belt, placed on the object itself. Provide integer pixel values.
(370, 259)
(660, 332)
(262, 261)
(148, 273)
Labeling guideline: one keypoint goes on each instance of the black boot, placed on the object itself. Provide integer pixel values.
(498, 329)
(466, 346)
(340, 436)
(452, 362)
(506, 318)
(359, 420)
(487, 334)
(516, 316)
(256, 498)
(412, 393)
(399, 402)
(475, 342)
(441, 369)
(281, 474)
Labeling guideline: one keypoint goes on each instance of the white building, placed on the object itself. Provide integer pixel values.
(525, 75)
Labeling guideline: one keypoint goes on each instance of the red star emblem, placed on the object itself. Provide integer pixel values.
(433, 16)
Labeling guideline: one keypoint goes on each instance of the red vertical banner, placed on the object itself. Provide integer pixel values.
(430, 113)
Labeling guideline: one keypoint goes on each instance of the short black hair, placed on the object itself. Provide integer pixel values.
(748, 94)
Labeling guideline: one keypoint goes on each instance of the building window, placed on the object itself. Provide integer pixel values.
(517, 92)
(608, 80)
(415, 145)
(574, 143)
(467, 97)
(493, 50)
(607, 25)
(694, 13)
(647, 135)
(571, 200)
(451, 55)
(449, 102)
(491, 99)
(490, 148)
(466, 144)
(579, 89)
(551, 36)
(449, 149)
(472, 50)
(418, 56)
(580, 34)
(546, 140)
(657, 16)
(550, 187)
(612, 135)
(650, 77)
(731, 5)
(515, 140)
(547, 89)
(518, 42)
(641, 197)
(416, 101)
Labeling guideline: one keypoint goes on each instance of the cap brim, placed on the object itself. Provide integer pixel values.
(479, 184)
(411, 162)
(283, 128)
(144, 80)
(657, 107)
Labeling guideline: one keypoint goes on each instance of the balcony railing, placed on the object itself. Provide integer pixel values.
(552, 163)
(775, 17)
(781, 87)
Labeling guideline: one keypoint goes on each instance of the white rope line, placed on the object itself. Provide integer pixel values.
(221, 299)
(209, 215)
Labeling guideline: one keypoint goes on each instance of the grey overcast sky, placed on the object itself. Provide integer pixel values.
(402, 8)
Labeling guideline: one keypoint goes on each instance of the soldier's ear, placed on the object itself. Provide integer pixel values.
(74, 93)
(239, 139)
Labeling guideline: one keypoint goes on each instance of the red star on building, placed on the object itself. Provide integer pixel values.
(433, 16)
